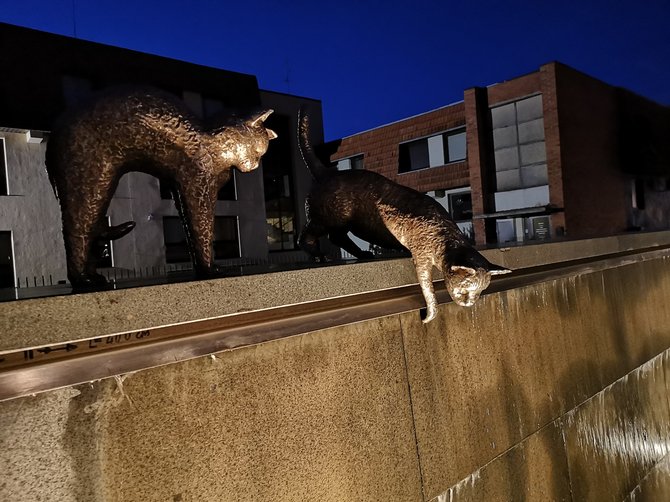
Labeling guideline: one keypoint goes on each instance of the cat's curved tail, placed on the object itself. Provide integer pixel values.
(310, 159)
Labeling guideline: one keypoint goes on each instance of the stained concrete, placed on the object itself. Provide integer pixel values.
(534, 469)
(485, 378)
(325, 416)
(553, 391)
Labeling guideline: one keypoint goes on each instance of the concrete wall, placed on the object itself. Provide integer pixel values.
(553, 391)
(31, 212)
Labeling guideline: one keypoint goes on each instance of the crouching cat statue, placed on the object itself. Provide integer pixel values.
(392, 216)
(146, 130)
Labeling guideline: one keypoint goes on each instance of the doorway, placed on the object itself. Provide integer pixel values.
(7, 279)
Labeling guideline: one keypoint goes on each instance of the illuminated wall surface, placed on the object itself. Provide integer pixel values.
(552, 391)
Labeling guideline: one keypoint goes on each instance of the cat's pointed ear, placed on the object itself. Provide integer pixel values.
(271, 134)
(497, 270)
(456, 268)
(259, 118)
(467, 257)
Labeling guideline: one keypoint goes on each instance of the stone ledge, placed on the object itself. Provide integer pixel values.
(55, 320)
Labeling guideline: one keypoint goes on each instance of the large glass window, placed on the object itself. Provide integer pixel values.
(533, 228)
(414, 155)
(355, 162)
(454, 146)
(460, 205)
(225, 242)
(433, 151)
(3, 168)
(176, 248)
(278, 185)
(7, 279)
(518, 142)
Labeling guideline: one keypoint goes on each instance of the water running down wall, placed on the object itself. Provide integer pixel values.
(552, 391)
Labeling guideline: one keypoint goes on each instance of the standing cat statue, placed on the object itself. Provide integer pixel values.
(392, 216)
(146, 130)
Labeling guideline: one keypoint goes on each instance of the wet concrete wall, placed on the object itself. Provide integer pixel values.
(554, 391)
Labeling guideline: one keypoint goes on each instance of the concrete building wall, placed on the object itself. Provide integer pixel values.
(31, 212)
(64, 71)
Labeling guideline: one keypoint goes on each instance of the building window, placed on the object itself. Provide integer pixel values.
(227, 191)
(460, 206)
(413, 156)
(7, 279)
(534, 228)
(433, 151)
(278, 186)
(176, 247)
(458, 202)
(518, 143)
(3, 169)
(225, 242)
(355, 162)
(454, 146)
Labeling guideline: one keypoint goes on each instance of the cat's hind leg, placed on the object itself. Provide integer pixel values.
(308, 240)
(197, 202)
(83, 203)
(341, 239)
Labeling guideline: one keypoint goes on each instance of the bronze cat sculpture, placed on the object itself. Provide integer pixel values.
(146, 130)
(392, 216)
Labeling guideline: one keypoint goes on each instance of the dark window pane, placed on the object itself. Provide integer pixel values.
(357, 162)
(228, 191)
(461, 206)
(176, 248)
(278, 186)
(413, 156)
(3, 168)
(226, 243)
(456, 147)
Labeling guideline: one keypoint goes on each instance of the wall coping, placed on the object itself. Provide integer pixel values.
(58, 320)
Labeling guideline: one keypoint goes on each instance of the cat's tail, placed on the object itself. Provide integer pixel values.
(310, 159)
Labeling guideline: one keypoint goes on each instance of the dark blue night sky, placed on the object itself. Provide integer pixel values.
(374, 62)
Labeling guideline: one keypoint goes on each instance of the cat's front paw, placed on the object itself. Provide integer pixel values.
(428, 314)
(208, 272)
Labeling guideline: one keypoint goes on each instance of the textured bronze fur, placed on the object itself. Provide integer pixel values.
(145, 130)
(393, 216)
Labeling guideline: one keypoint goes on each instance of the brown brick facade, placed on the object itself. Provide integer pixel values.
(583, 121)
(380, 148)
(594, 185)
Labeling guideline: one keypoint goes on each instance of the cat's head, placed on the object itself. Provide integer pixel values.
(467, 273)
(259, 140)
(251, 139)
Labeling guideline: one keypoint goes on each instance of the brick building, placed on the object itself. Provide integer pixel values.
(549, 154)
